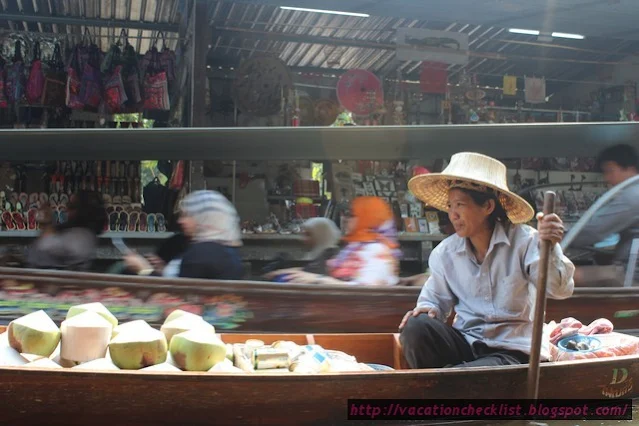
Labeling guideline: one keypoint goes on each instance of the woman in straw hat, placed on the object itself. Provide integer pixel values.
(487, 271)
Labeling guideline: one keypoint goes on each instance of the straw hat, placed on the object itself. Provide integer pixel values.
(471, 171)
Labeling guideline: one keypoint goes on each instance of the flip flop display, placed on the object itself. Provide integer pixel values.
(31, 219)
(113, 221)
(134, 218)
(161, 222)
(7, 219)
(18, 218)
(151, 222)
(63, 216)
(143, 222)
(124, 221)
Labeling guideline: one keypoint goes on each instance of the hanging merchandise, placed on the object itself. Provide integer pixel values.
(433, 77)
(91, 79)
(3, 96)
(114, 92)
(510, 85)
(360, 92)
(15, 81)
(130, 75)
(325, 112)
(260, 84)
(73, 81)
(53, 91)
(35, 83)
(535, 90)
(156, 89)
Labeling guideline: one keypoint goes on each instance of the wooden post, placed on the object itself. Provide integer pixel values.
(540, 306)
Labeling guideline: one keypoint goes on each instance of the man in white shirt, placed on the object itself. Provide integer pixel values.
(487, 271)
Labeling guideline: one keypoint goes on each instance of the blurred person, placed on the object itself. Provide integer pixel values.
(487, 271)
(321, 238)
(371, 253)
(71, 245)
(212, 226)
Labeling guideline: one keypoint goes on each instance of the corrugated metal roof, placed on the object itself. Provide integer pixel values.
(524, 54)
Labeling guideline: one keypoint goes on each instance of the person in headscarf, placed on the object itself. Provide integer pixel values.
(371, 254)
(212, 226)
(71, 245)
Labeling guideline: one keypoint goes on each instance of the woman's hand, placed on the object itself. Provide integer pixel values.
(136, 263)
(156, 262)
(551, 228)
(416, 312)
(301, 277)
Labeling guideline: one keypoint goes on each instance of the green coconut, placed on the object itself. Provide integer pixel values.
(138, 347)
(197, 350)
(137, 324)
(96, 307)
(34, 333)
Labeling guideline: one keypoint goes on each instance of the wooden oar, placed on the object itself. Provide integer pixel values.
(540, 306)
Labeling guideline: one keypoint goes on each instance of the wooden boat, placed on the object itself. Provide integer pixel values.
(245, 306)
(76, 397)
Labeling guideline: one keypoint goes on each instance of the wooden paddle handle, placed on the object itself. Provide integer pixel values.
(540, 304)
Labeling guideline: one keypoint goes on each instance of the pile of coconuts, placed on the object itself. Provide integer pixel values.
(91, 338)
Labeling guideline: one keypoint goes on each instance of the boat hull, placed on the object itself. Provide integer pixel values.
(245, 306)
(74, 397)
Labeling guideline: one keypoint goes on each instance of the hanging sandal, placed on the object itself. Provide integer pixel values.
(33, 201)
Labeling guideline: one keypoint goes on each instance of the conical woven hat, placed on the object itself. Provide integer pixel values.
(471, 171)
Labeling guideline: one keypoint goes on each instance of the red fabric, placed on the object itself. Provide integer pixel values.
(434, 77)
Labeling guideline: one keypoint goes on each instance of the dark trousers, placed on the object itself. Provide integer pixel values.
(430, 343)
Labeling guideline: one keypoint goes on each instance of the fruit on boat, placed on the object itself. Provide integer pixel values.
(165, 366)
(185, 322)
(96, 307)
(43, 363)
(85, 337)
(138, 347)
(34, 333)
(130, 325)
(101, 364)
(197, 350)
(176, 314)
(9, 357)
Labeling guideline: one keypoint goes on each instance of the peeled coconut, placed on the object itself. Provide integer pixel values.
(165, 366)
(43, 363)
(136, 348)
(137, 324)
(85, 337)
(102, 364)
(197, 350)
(34, 333)
(96, 307)
(183, 323)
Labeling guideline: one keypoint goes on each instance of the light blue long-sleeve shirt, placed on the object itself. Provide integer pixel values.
(494, 301)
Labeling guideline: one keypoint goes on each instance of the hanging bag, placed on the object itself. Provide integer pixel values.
(54, 90)
(35, 83)
(3, 96)
(131, 76)
(15, 81)
(91, 80)
(114, 92)
(156, 89)
(73, 100)
(167, 61)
